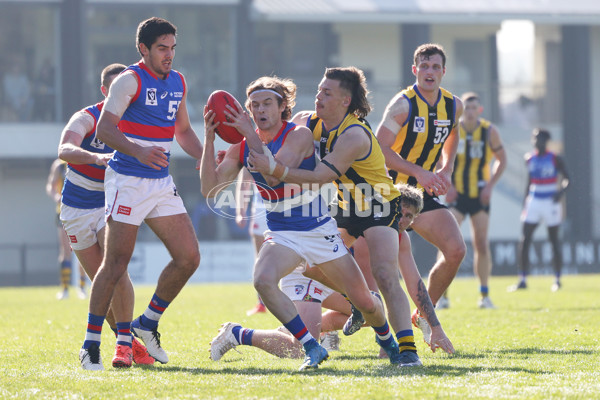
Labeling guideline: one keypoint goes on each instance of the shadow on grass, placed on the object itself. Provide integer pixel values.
(330, 369)
(535, 350)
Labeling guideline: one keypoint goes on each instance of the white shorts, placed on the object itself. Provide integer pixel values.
(82, 225)
(300, 288)
(131, 200)
(318, 246)
(537, 210)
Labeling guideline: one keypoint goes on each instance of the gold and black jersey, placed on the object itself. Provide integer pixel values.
(421, 138)
(366, 181)
(472, 164)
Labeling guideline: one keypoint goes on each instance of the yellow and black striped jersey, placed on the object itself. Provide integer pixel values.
(421, 138)
(472, 164)
(366, 180)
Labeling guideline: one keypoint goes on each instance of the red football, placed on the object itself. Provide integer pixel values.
(217, 102)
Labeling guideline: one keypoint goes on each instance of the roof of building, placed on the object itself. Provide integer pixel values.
(428, 11)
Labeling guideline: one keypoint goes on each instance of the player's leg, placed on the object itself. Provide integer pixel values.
(119, 247)
(482, 259)
(274, 262)
(439, 227)
(362, 257)
(64, 262)
(279, 342)
(177, 234)
(444, 300)
(557, 260)
(524, 245)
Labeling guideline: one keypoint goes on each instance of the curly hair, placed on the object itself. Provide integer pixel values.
(285, 87)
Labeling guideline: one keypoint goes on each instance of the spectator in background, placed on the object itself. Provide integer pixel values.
(45, 92)
(17, 93)
(547, 181)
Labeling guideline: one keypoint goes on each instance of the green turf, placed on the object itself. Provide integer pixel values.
(537, 344)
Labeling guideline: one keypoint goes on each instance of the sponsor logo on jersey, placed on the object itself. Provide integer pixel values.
(317, 291)
(124, 210)
(73, 238)
(178, 94)
(441, 122)
(151, 99)
(419, 126)
(163, 95)
(299, 289)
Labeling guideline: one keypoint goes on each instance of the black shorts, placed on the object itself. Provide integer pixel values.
(430, 203)
(469, 206)
(356, 225)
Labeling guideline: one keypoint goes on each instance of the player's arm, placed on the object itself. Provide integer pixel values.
(121, 93)
(353, 144)
(419, 295)
(275, 168)
(446, 161)
(69, 148)
(211, 175)
(301, 118)
(394, 117)
(564, 182)
(528, 182)
(184, 133)
(499, 165)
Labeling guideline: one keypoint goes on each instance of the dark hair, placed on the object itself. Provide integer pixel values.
(470, 96)
(353, 80)
(109, 71)
(285, 87)
(541, 133)
(151, 29)
(429, 49)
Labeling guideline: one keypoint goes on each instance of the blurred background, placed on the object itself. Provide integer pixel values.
(533, 63)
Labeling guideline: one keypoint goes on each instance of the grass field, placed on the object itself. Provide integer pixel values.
(537, 344)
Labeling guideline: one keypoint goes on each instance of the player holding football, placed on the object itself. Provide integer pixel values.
(368, 203)
(300, 228)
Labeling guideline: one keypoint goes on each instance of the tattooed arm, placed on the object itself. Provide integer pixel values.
(418, 293)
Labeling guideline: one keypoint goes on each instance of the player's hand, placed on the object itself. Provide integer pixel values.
(445, 179)
(103, 159)
(431, 182)
(240, 120)
(440, 340)
(485, 195)
(258, 162)
(153, 156)
(209, 125)
(220, 156)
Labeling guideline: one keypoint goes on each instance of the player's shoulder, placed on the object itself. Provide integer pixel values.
(301, 117)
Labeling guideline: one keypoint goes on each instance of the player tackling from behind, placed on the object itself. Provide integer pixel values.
(300, 228)
(368, 204)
